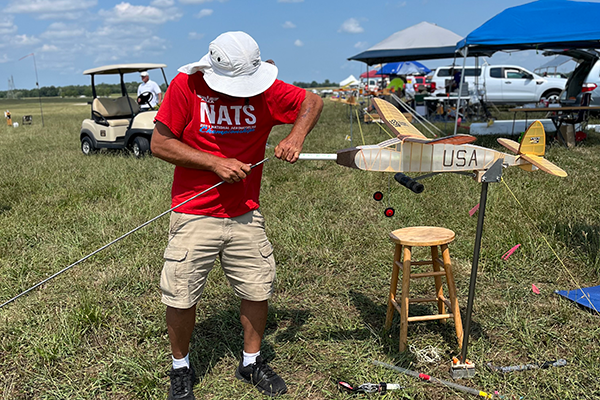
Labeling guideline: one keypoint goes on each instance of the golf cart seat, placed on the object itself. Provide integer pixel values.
(116, 112)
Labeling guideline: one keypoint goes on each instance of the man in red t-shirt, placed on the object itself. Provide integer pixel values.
(213, 124)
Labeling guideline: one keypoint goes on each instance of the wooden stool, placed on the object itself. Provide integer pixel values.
(423, 236)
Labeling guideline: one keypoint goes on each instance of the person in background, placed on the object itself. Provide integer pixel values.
(213, 124)
(396, 86)
(150, 86)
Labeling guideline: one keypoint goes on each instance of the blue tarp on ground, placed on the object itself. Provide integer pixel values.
(543, 24)
(587, 297)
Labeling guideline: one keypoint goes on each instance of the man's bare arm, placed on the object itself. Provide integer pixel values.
(289, 148)
(166, 146)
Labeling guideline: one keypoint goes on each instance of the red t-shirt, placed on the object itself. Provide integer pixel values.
(239, 128)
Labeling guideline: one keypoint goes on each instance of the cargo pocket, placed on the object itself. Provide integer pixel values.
(175, 254)
(174, 277)
(266, 251)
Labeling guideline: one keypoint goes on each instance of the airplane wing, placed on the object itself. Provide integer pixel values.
(395, 120)
(544, 165)
(390, 142)
(509, 144)
(454, 139)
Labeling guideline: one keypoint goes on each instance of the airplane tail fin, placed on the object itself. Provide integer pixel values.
(534, 140)
(532, 150)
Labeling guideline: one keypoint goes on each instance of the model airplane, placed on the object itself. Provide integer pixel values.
(411, 151)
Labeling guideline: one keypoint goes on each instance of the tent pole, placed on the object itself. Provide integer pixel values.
(462, 79)
(419, 118)
(365, 90)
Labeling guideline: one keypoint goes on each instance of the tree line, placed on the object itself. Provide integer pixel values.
(315, 84)
(106, 89)
(102, 89)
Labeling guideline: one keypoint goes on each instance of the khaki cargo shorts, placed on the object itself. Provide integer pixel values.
(195, 241)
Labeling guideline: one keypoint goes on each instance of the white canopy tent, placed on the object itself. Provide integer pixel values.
(349, 81)
(423, 41)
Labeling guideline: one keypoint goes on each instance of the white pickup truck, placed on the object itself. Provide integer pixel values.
(502, 84)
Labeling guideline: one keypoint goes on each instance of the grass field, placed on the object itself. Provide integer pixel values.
(98, 330)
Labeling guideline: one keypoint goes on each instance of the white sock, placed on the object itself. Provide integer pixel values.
(250, 358)
(180, 363)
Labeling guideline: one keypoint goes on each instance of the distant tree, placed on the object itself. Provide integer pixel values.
(314, 84)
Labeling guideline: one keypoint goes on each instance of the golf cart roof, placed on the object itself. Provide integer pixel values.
(118, 69)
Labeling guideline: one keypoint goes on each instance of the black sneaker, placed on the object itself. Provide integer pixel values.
(262, 377)
(182, 382)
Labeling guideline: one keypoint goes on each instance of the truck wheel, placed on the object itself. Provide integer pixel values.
(87, 147)
(140, 146)
(552, 96)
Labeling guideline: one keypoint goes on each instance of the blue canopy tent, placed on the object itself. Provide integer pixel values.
(403, 68)
(543, 24)
(540, 25)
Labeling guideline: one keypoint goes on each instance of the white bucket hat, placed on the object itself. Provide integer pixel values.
(233, 66)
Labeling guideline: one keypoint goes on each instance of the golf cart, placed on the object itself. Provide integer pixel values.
(119, 123)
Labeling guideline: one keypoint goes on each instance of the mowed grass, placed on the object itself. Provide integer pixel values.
(98, 330)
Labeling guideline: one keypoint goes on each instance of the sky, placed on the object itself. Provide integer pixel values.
(309, 40)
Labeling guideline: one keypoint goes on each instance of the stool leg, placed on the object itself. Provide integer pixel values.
(452, 294)
(438, 282)
(404, 298)
(393, 287)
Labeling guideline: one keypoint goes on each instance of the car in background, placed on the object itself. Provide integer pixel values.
(119, 123)
(553, 75)
(502, 84)
(372, 84)
(585, 78)
(423, 83)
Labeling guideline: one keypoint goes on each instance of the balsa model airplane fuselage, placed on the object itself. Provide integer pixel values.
(411, 151)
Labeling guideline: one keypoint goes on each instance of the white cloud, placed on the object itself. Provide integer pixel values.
(204, 13)
(24, 40)
(7, 26)
(127, 13)
(288, 25)
(298, 43)
(361, 45)
(290, 1)
(60, 31)
(162, 3)
(76, 15)
(195, 35)
(4, 59)
(194, 1)
(351, 26)
(48, 6)
(48, 48)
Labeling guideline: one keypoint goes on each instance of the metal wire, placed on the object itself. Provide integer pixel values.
(118, 239)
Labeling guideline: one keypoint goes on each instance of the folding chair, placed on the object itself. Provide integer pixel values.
(580, 118)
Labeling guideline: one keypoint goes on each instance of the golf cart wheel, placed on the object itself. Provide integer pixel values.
(87, 147)
(140, 146)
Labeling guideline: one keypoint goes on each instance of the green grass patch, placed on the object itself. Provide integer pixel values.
(98, 330)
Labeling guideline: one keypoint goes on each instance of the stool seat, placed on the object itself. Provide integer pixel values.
(422, 236)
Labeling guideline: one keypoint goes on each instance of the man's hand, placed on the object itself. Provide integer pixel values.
(289, 148)
(231, 170)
